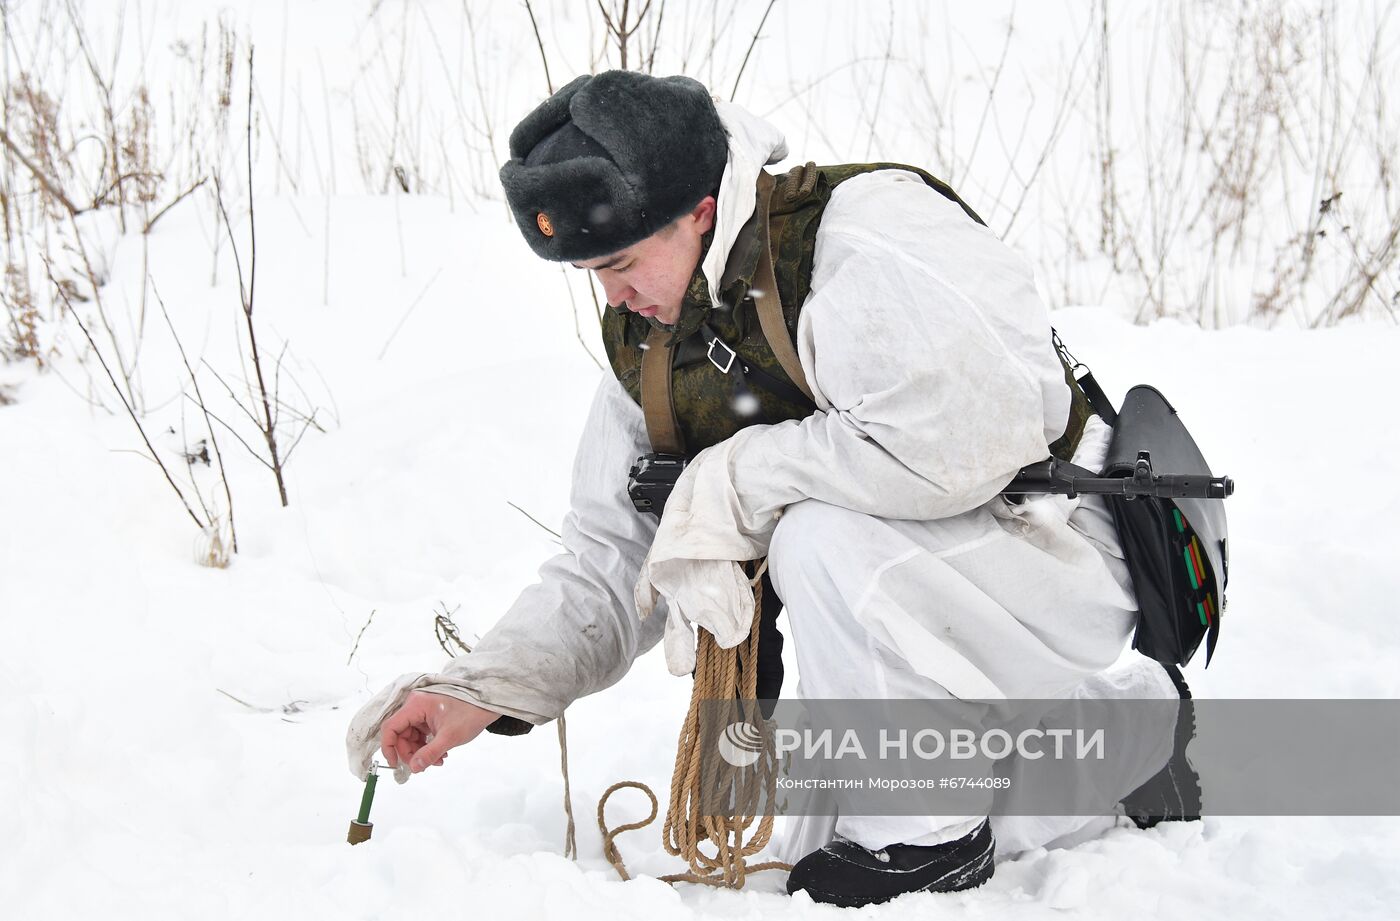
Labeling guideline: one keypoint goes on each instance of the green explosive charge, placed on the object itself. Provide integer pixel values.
(361, 828)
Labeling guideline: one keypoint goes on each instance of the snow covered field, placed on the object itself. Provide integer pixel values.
(137, 789)
(175, 732)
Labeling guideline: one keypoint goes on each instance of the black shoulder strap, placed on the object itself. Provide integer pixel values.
(1098, 400)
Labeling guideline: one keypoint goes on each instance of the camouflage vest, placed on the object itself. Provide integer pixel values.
(707, 407)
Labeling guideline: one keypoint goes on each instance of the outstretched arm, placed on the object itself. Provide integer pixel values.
(573, 633)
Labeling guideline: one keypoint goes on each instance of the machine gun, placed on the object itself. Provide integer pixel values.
(1171, 526)
(1059, 478)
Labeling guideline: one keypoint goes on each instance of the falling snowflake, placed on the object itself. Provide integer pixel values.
(746, 404)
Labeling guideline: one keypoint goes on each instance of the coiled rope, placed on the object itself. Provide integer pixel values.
(725, 688)
(723, 696)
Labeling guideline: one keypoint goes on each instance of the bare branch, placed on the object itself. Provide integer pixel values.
(129, 411)
(233, 243)
(49, 185)
(404, 319)
(754, 41)
(544, 59)
(199, 401)
(299, 415)
(178, 198)
(656, 37)
(234, 432)
(267, 426)
(597, 305)
(573, 311)
(534, 519)
(356, 648)
(309, 424)
(233, 396)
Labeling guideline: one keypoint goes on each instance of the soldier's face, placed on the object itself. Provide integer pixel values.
(650, 277)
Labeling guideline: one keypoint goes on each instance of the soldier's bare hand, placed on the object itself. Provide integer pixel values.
(420, 732)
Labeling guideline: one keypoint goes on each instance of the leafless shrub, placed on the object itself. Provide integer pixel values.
(58, 169)
(21, 339)
(34, 116)
(1239, 164)
(220, 534)
(152, 453)
(620, 28)
(280, 422)
(264, 405)
(1233, 207)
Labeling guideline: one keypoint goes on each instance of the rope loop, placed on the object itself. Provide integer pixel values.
(725, 679)
(610, 850)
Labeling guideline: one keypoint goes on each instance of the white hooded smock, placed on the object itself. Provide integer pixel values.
(929, 355)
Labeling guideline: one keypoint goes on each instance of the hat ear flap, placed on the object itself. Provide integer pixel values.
(547, 118)
(589, 208)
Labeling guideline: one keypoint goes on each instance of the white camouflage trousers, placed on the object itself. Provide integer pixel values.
(1005, 602)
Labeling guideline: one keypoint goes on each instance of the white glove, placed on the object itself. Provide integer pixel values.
(362, 738)
(713, 594)
(691, 561)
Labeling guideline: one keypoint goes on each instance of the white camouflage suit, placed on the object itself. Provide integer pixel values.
(902, 571)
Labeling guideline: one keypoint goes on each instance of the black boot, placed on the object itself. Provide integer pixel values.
(846, 874)
(1173, 794)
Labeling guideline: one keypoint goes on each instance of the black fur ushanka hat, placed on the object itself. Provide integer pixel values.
(609, 160)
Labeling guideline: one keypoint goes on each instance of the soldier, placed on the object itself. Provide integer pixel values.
(859, 435)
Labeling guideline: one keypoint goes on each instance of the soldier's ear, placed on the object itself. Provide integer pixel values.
(703, 215)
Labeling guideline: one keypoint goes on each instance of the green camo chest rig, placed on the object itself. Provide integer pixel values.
(730, 365)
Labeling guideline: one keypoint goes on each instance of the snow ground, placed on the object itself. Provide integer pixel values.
(136, 789)
(451, 382)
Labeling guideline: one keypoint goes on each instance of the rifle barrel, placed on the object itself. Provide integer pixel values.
(1048, 478)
